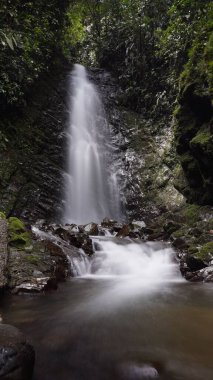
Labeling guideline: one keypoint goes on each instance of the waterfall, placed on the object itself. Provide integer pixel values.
(91, 184)
(150, 261)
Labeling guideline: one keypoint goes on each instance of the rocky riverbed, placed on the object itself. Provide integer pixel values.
(36, 258)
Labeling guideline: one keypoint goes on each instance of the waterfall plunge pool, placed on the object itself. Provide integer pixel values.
(114, 323)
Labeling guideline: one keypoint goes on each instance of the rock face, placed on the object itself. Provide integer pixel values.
(35, 261)
(145, 159)
(16, 355)
(3, 252)
(189, 230)
(32, 163)
(194, 129)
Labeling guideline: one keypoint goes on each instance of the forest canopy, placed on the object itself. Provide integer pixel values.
(130, 37)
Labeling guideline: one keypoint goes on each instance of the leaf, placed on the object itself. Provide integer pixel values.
(9, 42)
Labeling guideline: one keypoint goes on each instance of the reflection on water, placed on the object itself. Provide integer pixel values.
(120, 322)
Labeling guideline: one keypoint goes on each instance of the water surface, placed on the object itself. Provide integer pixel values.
(80, 332)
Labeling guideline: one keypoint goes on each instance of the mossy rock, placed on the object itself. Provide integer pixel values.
(20, 240)
(192, 214)
(205, 252)
(202, 137)
(192, 249)
(2, 215)
(19, 237)
(33, 259)
(15, 225)
(179, 233)
(210, 224)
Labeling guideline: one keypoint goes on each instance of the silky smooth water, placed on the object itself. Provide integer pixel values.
(138, 322)
(91, 183)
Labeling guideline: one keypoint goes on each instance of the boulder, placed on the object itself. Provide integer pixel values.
(125, 230)
(91, 229)
(194, 263)
(17, 356)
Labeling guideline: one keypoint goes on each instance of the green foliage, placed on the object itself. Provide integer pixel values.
(30, 33)
(121, 36)
(2, 215)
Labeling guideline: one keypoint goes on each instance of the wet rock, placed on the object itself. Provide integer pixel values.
(208, 274)
(36, 285)
(35, 161)
(91, 229)
(108, 223)
(148, 230)
(180, 243)
(138, 371)
(171, 227)
(76, 239)
(125, 230)
(194, 264)
(156, 235)
(38, 270)
(194, 276)
(139, 224)
(116, 228)
(3, 252)
(16, 355)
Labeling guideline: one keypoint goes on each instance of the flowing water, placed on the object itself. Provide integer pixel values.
(91, 183)
(128, 315)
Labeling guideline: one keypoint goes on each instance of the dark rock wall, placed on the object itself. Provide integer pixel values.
(144, 151)
(194, 139)
(32, 160)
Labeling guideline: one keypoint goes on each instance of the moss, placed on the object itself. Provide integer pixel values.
(20, 240)
(203, 137)
(191, 213)
(210, 223)
(205, 252)
(2, 215)
(192, 249)
(18, 236)
(32, 259)
(179, 233)
(209, 60)
(15, 225)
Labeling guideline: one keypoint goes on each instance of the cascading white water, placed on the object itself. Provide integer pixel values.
(151, 262)
(130, 269)
(91, 184)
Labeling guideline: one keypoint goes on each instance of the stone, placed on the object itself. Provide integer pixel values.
(171, 227)
(36, 285)
(180, 243)
(194, 264)
(3, 252)
(91, 229)
(140, 224)
(125, 230)
(17, 356)
(106, 222)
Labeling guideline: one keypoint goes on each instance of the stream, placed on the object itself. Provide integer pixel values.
(128, 315)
